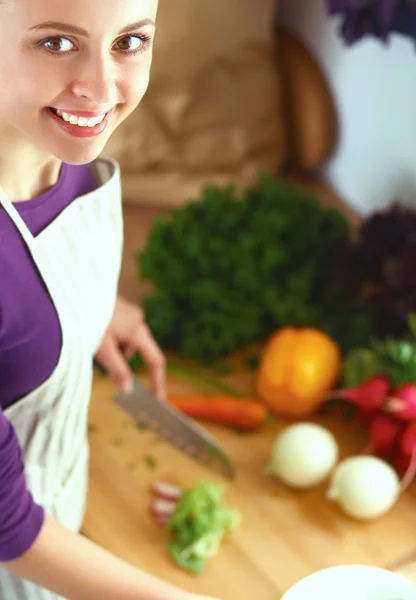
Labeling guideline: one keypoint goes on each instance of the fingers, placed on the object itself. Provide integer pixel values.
(111, 358)
(152, 355)
(131, 334)
(129, 351)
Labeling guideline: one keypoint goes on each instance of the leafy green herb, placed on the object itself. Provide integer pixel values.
(394, 358)
(253, 361)
(150, 461)
(198, 526)
(198, 375)
(358, 365)
(136, 362)
(192, 373)
(222, 368)
(228, 270)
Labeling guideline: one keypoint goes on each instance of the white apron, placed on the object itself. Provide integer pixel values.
(78, 256)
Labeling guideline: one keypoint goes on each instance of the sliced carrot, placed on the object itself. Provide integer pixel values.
(238, 413)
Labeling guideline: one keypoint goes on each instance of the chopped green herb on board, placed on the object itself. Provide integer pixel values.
(150, 461)
(198, 525)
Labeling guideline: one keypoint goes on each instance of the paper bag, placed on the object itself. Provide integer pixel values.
(213, 111)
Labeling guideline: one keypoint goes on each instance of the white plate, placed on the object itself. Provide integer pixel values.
(353, 582)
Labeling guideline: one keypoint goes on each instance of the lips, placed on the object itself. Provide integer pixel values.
(80, 123)
(82, 120)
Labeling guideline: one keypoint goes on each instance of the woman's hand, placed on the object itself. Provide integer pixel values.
(74, 567)
(126, 334)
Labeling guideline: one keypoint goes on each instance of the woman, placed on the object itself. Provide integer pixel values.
(71, 72)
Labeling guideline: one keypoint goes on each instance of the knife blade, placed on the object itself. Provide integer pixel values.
(172, 426)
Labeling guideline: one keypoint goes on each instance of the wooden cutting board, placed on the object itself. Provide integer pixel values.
(285, 535)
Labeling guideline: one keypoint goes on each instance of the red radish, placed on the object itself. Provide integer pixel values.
(402, 462)
(408, 441)
(402, 402)
(410, 472)
(167, 491)
(384, 434)
(405, 461)
(371, 394)
(364, 416)
(162, 509)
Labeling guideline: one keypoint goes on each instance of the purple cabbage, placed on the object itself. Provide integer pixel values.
(377, 18)
(381, 266)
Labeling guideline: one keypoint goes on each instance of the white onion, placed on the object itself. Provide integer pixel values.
(364, 487)
(303, 455)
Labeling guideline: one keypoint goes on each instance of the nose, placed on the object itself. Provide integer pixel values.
(96, 81)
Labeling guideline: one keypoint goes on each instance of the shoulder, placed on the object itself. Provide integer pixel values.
(105, 170)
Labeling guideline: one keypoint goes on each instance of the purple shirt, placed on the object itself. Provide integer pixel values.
(30, 345)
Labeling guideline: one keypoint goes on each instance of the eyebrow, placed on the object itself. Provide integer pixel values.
(64, 27)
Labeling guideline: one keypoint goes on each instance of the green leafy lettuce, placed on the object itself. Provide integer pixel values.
(198, 526)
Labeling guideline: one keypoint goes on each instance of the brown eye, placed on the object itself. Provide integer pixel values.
(130, 43)
(58, 45)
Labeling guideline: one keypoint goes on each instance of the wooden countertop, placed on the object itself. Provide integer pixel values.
(285, 535)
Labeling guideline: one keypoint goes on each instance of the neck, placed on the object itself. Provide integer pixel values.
(25, 170)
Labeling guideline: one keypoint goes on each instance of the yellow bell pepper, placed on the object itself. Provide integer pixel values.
(297, 368)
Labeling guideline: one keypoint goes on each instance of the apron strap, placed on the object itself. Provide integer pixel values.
(17, 219)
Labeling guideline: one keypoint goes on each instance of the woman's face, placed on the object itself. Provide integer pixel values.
(72, 70)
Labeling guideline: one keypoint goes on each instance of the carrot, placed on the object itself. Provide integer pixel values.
(238, 413)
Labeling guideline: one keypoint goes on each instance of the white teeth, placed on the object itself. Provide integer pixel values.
(80, 121)
(95, 121)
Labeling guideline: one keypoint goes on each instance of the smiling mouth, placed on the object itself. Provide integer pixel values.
(80, 121)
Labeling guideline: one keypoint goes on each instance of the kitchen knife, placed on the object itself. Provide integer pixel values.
(172, 426)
